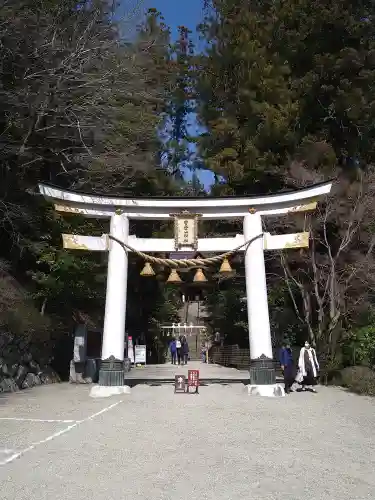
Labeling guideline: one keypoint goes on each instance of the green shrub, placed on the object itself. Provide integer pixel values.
(359, 347)
(358, 379)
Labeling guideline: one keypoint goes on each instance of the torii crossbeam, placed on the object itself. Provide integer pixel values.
(186, 212)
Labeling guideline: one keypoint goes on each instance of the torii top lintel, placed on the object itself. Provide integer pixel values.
(98, 206)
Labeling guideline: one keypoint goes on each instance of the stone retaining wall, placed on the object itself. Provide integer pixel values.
(20, 367)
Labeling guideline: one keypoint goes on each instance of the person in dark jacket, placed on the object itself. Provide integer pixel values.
(287, 366)
(204, 353)
(184, 350)
(178, 345)
(173, 350)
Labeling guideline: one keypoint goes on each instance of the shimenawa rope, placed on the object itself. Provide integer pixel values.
(176, 263)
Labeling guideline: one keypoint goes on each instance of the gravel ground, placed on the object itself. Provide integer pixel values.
(220, 444)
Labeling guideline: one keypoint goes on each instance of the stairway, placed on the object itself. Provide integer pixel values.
(193, 313)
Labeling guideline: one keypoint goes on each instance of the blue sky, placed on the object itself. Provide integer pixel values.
(190, 14)
(179, 12)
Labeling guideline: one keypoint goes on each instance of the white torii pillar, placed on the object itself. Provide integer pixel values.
(111, 371)
(262, 371)
(251, 209)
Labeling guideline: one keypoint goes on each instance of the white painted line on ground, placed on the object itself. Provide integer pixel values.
(102, 411)
(42, 420)
(56, 434)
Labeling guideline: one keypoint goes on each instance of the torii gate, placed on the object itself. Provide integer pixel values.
(186, 212)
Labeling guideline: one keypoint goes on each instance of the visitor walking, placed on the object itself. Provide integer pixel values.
(178, 348)
(173, 350)
(287, 366)
(184, 350)
(203, 353)
(308, 367)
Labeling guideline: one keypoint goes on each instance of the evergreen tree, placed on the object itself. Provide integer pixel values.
(176, 154)
(272, 84)
(80, 107)
(246, 103)
(286, 97)
(329, 47)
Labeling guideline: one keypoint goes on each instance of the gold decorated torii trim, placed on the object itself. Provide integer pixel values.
(297, 208)
(71, 209)
(68, 209)
(301, 240)
(284, 241)
(91, 243)
(73, 242)
(303, 208)
(270, 242)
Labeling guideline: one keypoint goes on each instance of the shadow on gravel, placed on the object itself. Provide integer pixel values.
(203, 383)
(132, 382)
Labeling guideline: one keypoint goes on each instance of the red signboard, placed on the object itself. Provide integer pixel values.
(193, 379)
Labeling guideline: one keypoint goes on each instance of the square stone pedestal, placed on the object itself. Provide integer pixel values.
(111, 379)
(267, 391)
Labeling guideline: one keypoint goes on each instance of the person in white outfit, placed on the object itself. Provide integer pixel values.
(308, 367)
(178, 347)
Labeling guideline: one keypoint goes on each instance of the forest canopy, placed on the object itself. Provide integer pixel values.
(89, 103)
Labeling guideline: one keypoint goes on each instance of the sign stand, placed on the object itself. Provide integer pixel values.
(193, 381)
(179, 384)
(140, 355)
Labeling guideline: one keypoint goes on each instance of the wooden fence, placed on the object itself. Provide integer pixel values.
(230, 355)
(234, 356)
